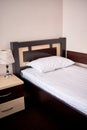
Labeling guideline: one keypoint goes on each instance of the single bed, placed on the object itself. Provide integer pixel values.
(63, 84)
(66, 85)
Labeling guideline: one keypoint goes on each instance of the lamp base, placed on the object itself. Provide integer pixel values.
(7, 75)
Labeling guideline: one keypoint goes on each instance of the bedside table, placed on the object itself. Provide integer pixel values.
(11, 95)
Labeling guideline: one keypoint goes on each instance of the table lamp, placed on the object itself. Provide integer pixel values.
(6, 58)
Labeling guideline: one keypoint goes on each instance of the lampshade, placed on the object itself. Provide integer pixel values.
(6, 57)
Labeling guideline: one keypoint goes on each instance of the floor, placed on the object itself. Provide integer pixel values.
(38, 118)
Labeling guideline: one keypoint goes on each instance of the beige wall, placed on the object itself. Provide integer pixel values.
(75, 24)
(23, 20)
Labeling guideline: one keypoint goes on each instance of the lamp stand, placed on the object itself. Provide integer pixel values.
(7, 72)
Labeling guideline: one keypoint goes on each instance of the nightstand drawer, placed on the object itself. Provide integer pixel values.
(11, 107)
(11, 93)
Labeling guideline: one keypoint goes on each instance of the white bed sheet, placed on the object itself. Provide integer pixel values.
(68, 84)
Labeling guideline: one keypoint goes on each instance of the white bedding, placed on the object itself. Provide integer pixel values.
(67, 84)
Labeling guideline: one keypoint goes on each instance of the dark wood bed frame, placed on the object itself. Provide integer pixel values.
(77, 56)
(39, 96)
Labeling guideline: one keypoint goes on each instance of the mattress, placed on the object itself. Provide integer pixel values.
(67, 84)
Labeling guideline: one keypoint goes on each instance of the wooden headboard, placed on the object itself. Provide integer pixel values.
(24, 52)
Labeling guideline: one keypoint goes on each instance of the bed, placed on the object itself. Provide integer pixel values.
(64, 87)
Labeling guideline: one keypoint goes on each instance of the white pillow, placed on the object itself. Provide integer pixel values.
(50, 63)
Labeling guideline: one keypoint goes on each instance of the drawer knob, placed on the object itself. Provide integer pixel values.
(7, 109)
(5, 95)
